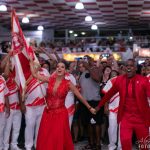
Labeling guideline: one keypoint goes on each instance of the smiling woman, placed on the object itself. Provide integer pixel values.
(55, 124)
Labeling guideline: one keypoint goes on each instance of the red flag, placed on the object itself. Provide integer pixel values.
(21, 51)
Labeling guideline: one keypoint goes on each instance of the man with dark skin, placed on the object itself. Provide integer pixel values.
(134, 110)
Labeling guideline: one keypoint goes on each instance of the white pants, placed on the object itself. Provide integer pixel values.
(2, 125)
(69, 101)
(33, 118)
(112, 132)
(14, 123)
(70, 120)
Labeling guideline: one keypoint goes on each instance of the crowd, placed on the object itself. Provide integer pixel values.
(117, 44)
(93, 108)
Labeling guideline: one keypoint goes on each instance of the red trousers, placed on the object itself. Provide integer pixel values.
(130, 124)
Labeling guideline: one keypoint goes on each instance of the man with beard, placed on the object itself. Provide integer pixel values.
(134, 110)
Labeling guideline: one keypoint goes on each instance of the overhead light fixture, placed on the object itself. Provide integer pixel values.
(131, 38)
(75, 35)
(25, 20)
(70, 31)
(83, 33)
(88, 18)
(3, 8)
(79, 5)
(100, 23)
(40, 28)
(94, 27)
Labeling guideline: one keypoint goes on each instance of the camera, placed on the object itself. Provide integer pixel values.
(78, 58)
(106, 55)
(85, 59)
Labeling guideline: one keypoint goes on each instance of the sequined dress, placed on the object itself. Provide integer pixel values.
(54, 132)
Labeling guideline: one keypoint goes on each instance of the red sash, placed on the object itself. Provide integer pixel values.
(2, 106)
(71, 110)
(15, 105)
(37, 102)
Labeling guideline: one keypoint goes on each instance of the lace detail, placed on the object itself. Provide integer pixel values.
(57, 99)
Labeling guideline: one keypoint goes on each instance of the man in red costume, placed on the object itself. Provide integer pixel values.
(134, 110)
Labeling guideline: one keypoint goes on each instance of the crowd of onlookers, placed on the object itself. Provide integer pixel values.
(91, 85)
(117, 44)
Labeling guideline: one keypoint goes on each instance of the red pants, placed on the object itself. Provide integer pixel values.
(130, 124)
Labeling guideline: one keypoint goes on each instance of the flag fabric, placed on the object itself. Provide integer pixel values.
(20, 53)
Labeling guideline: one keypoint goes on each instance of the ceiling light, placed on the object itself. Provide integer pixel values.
(29, 15)
(75, 35)
(100, 23)
(33, 15)
(40, 28)
(83, 33)
(25, 20)
(3, 8)
(130, 38)
(79, 5)
(70, 31)
(94, 27)
(88, 18)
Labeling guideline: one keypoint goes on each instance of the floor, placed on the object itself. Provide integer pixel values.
(80, 145)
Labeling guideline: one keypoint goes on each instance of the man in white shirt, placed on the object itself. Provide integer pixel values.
(33, 107)
(4, 109)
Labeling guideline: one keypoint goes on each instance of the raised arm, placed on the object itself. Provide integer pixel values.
(55, 53)
(35, 73)
(47, 53)
(6, 70)
(80, 97)
(95, 72)
(5, 60)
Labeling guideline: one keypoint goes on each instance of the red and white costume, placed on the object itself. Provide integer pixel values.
(14, 121)
(134, 110)
(113, 110)
(69, 101)
(3, 92)
(35, 103)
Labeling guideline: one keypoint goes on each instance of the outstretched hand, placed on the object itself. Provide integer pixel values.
(97, 108)
(93, 111)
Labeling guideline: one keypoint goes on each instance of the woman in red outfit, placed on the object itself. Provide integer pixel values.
(54, 132)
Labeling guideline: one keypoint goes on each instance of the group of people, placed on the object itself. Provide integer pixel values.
(102, 89)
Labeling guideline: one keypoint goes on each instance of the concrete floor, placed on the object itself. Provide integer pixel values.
(80, 145)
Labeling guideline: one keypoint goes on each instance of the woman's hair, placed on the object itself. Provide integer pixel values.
(64, 62)
(48, 63)
(115, 72)
(106, 67)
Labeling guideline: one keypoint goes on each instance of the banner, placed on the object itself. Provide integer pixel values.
(20, 53)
